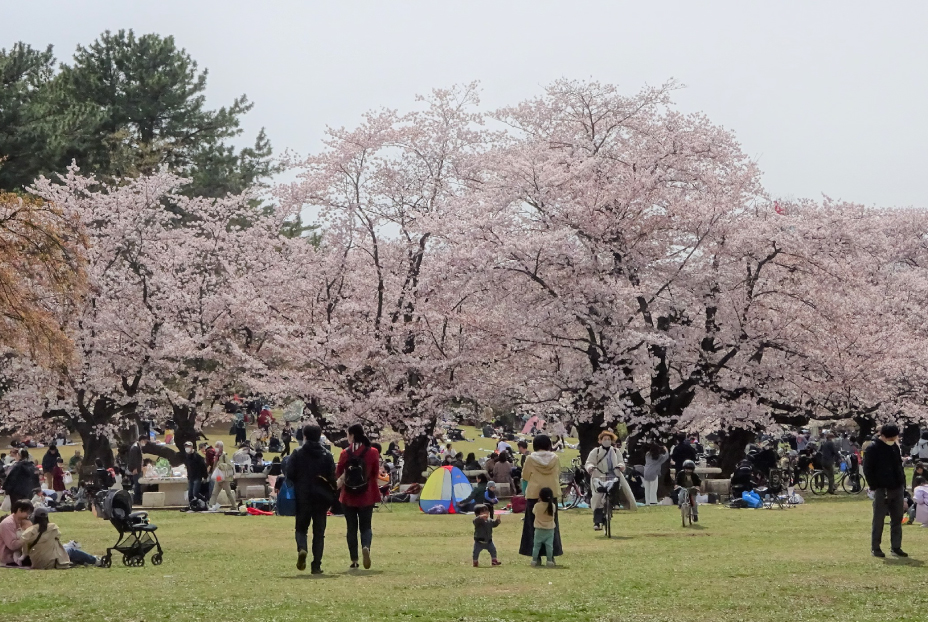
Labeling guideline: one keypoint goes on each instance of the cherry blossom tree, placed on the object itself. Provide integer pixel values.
(383, 326)
(172, 317)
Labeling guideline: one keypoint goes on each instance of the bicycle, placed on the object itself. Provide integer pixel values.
(686, 505)
(575, 485)
(607, 490)
(851, 482)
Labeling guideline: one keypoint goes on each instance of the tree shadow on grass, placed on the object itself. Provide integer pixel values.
(907, 561)
(360, 574)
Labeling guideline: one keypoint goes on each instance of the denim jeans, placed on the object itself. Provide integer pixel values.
(359, 519)
(484, 546)
(78, 556)
(193, 489)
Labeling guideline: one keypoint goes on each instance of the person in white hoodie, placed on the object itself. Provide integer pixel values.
(542, 470)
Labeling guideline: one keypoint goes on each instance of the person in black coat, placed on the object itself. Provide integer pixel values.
(22, 479)
(311, 469)
(196, 471)
(681, 453)
(49, 462)
(886, 477)
(134, 468)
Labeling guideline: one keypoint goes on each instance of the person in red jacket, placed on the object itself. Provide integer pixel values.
(357, 470)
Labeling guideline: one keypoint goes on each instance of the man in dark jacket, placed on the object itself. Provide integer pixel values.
(829, 458)
(134, 467)
(311, 470)
(196, 471)
(681, 453)
(22, 479)
(886, 477)
(49, 462)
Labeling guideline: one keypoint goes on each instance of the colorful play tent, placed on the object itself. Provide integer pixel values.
(447, 487)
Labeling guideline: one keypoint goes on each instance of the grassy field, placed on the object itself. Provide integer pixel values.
(809, 563)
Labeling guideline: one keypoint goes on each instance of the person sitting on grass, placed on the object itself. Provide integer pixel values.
(483, 534)
(918, 513)
(42, 544)
(11, 532)
(40, 499)
(544, 512)
(471, 463)
(688, 483)
(476, 496)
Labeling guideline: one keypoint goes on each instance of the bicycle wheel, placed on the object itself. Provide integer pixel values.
(802, 480)
(853, 483)
(607, 513)
(571, 496)
(818, 483)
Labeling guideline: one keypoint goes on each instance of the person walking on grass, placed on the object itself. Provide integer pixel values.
(221, 476)
(311, 470)
(886, 477)
(484, 524)
(544, 512)
(357, 471)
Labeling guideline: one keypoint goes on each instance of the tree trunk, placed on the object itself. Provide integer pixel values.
(185, 422)
(588, 435)
(867, 428)
(731, 448)
(95, 446)
(415, 459)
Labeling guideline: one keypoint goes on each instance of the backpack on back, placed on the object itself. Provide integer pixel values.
(356, 472)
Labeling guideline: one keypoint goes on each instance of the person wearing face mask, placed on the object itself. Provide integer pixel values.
(134, 466)
(886, 477)
(604, 464)
(196, 471)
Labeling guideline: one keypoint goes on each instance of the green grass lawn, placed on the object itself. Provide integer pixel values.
(809, 563)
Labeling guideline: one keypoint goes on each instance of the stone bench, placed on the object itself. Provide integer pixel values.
(721, 487)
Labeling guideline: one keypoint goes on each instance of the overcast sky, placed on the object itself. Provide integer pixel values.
(829, 99)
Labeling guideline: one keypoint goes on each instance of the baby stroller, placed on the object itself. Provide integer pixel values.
(136, 535)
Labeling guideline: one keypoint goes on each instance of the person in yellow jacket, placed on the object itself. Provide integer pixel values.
(542, 470)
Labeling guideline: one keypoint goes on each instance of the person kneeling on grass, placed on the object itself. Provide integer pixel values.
(483, 534)
(544, 512)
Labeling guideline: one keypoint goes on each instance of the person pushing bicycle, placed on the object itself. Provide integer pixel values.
(604, 464)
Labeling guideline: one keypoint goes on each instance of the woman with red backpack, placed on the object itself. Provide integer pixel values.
(357, 470)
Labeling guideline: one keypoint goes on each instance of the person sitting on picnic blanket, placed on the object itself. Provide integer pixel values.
(11, 532)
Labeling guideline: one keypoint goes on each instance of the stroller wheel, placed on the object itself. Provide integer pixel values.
(106, 561)
(138, 562)
(156, 559)
(126, 560)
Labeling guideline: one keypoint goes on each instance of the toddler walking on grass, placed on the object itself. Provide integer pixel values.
(483, 534)
(544, 512)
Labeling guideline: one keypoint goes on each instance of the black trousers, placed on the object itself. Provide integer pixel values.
(311, 514)
(359, 519)
(887, 501)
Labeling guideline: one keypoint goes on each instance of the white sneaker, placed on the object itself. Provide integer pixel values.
(215, 508)
(551, 564)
